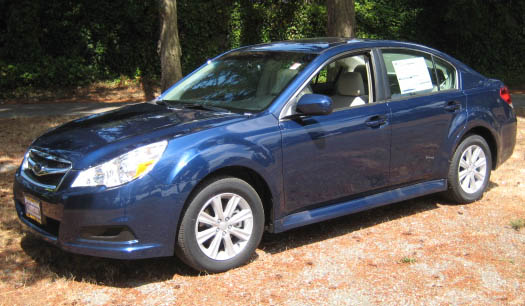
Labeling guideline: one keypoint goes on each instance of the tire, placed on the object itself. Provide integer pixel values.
(218, 243)
(473, 159)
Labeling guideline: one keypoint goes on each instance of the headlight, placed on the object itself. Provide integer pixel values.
(123, 169)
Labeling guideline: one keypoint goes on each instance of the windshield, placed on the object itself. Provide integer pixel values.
(240, 81)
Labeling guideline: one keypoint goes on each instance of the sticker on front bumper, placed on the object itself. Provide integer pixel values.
(33, 210)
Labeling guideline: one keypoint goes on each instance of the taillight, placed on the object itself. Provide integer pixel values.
(505, 95)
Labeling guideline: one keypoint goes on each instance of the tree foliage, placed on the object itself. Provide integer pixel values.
(58, 43)
(50, 43)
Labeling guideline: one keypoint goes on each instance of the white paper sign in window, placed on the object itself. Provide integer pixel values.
(412, 75)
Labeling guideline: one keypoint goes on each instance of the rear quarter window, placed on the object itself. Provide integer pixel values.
(445, 74)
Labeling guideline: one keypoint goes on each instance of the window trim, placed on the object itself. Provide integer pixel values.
(386, 89)
(371, 85)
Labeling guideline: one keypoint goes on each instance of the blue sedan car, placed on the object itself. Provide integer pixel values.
(266, 137)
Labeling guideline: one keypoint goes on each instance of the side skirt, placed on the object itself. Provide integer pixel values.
(357, 205)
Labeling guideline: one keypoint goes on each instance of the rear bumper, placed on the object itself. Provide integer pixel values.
(508, 140)
(141, 210)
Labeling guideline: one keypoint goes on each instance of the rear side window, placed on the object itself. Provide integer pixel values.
(446, 74)
(409, 73)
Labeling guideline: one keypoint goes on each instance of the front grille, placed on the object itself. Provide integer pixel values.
(48, 160)
(45, 170)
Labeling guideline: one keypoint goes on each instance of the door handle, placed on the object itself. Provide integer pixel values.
(452, 106)
(376, 121)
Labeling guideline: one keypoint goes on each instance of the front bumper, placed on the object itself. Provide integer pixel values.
(136, 220)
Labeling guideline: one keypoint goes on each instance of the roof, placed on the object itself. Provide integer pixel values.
(307, 45)
(318, 45)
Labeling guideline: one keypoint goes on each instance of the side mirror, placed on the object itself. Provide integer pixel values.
(314, 105)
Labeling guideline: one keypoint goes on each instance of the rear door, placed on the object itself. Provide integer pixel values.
(426, 106)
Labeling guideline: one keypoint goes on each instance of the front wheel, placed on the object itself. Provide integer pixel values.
(469, 171)
(222, 226)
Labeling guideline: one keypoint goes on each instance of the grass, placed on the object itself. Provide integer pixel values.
(407, 260)
(355, 259)
(517, 224)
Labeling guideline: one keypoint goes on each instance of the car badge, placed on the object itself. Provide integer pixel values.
(37, 170)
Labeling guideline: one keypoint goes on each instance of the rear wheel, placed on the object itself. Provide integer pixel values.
(222, 226)
(469, 171)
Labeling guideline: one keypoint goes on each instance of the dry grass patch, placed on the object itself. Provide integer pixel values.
(424, 250)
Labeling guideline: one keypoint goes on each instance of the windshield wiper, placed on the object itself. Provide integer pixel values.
(193, 105)
(162, 102)
(169, 102)
(206, 107)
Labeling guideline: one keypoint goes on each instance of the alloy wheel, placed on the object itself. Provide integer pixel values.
(472, 169)
(224, 226)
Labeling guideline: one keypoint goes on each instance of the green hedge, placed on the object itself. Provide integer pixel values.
(57, 43)
(49, 43)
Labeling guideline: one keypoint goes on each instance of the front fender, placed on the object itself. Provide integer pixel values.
(253, 143)
(195, 165)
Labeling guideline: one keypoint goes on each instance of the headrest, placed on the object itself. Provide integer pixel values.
(362, 70)
(350, 84)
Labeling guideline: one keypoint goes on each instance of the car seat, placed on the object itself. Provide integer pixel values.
(350, 91)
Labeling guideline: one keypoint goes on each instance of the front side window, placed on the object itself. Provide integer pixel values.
(240, 81)
(409, 73)
(345, 80)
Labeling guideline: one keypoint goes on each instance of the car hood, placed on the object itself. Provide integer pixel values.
(79, 137)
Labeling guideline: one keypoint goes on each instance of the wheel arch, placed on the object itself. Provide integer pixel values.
(252, 177)
(489, 137)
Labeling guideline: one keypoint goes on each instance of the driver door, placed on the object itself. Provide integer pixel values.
(327, 159)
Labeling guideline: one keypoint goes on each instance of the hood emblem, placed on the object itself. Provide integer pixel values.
(37, 170)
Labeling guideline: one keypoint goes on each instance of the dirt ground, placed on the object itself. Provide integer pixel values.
(421, 251)
(124, 91)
